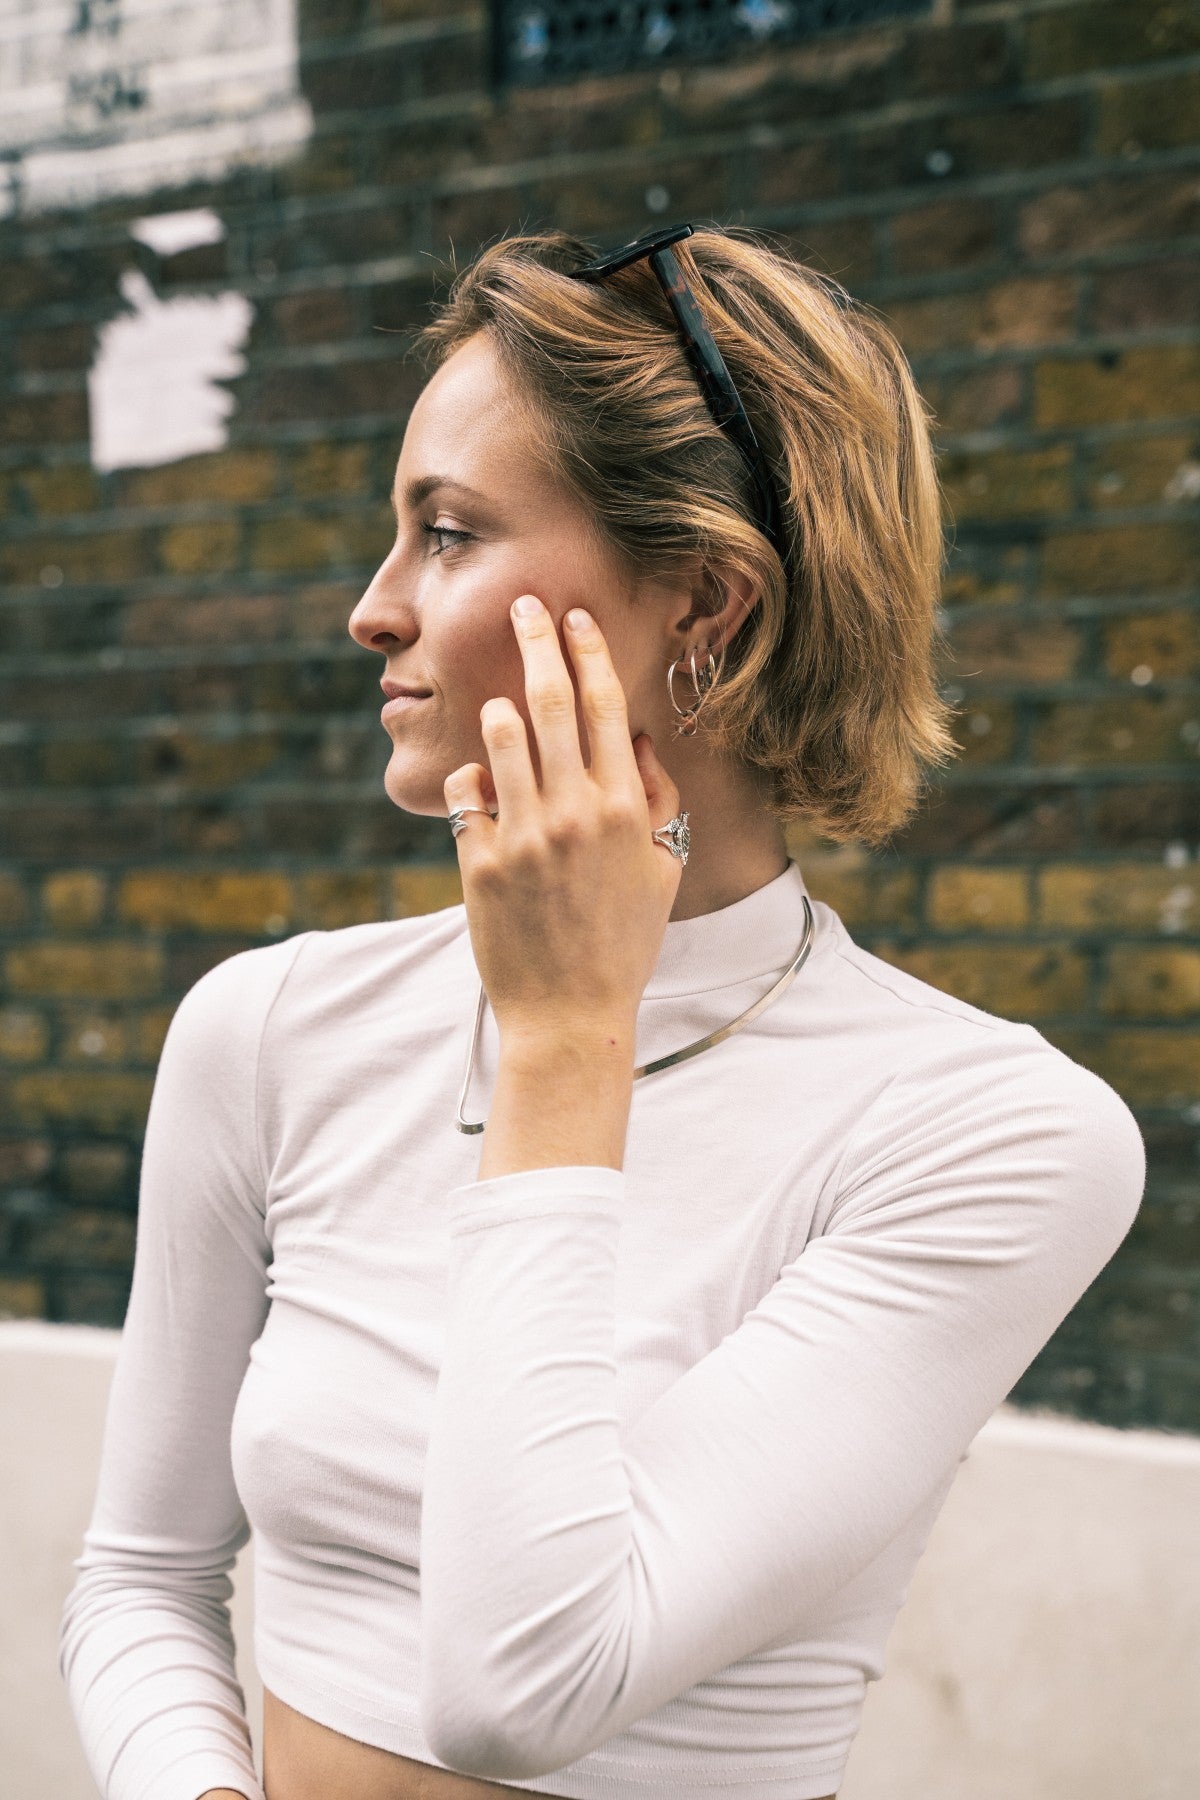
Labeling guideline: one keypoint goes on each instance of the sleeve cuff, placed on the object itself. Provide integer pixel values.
(590, 1189)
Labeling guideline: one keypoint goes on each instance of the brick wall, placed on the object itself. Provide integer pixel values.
(190, 756)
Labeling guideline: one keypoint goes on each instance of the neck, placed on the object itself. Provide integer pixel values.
(737, 843)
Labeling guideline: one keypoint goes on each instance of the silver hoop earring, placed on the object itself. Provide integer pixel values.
(703, 682)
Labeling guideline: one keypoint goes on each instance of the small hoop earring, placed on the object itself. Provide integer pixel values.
(703, 682)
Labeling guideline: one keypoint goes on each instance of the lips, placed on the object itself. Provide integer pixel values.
(395, 690)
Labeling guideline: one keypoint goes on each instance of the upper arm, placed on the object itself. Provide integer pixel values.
(979, 1201)
(165, 1492)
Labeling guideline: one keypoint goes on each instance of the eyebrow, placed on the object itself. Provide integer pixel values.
(424, 485)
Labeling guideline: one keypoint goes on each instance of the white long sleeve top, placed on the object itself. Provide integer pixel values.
(608, 1484)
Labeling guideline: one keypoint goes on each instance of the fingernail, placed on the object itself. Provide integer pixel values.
(577, 619)
(526, 606)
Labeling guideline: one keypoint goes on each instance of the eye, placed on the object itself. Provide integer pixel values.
(444, 531)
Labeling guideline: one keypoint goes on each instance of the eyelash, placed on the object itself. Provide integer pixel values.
(444, 531)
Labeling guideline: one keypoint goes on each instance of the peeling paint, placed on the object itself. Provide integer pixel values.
(108, 97)
(152, 387)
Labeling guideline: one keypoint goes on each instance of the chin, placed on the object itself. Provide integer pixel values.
(416, 790)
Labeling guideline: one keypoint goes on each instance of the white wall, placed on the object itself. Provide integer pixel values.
(1049, 1648)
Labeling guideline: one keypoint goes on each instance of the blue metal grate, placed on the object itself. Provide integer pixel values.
(552, 40)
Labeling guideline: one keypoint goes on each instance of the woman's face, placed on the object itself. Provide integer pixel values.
(478, 524)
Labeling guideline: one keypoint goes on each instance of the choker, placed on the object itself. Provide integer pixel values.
(676, 1056)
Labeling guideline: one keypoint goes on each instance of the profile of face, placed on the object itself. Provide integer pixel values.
(478, 523)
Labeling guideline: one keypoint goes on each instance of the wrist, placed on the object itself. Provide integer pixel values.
(579, 1040)
(561, 1097)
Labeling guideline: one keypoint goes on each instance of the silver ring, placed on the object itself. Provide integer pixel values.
(456, 818)
(675, 836)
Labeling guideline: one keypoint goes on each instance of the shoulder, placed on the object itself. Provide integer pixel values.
(895, 997)
(980, 1109)
(243, 988)
(235, 994)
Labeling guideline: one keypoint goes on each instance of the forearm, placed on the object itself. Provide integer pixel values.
(561, 1098)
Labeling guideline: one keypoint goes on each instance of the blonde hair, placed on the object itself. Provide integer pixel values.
(828, 687)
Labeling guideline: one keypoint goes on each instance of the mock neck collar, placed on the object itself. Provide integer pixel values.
(757, 935)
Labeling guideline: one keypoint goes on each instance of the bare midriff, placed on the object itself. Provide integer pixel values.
(303, 1760)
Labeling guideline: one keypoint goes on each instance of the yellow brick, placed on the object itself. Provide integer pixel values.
(97, 556)
(102, 970)
(102, 1099)
(206, 762)
(1144, 472)
(147, 1033)
(1135, 728)
(1034, 309)
(1151, 983)
(1148, 115)
(1001, 646)
(72, 488)
(22, 1297)
(236, 476)
(1160, 381)
(332, 469)
(1165, 643)
(973, 898)
(218, 901)
(985, 731)
(79, 1237)
(24, 1035)
(1002, 484)
(1123, 895)
(1121, 558)
(93, 1039)
(329, 901)
(299, 541)
(1149, 1067)
(966, 587)
(73, 898)
(860, 892)
(1014, 981)
(417, 888)
(209, 546)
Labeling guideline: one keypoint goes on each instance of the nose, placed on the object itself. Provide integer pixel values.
(385, 614)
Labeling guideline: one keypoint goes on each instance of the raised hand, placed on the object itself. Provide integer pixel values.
(567, 894)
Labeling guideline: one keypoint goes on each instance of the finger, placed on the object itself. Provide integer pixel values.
(605, 712)
(467, 786)
(550, 695)
(662, 795)
(507, 742)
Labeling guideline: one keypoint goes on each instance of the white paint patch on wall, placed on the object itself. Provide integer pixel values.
(152, 394)
(169, 233)
(108, 97)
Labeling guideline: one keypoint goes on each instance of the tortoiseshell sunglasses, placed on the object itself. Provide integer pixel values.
(712, 373)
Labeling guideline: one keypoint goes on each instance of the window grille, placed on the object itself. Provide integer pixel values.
(536, 41)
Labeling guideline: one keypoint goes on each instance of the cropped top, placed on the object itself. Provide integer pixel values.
(605, 1483)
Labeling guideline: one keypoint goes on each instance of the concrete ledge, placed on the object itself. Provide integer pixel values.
(1049, 1648)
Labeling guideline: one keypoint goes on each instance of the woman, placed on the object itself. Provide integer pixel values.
(597, 1464)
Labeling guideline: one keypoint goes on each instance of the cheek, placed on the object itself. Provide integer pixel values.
(475, 652)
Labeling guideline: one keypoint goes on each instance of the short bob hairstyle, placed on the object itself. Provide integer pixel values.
(828, 689)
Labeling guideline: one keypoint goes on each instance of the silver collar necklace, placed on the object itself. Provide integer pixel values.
(676, 1056)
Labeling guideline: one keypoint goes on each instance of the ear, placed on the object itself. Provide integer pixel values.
(722, 599)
